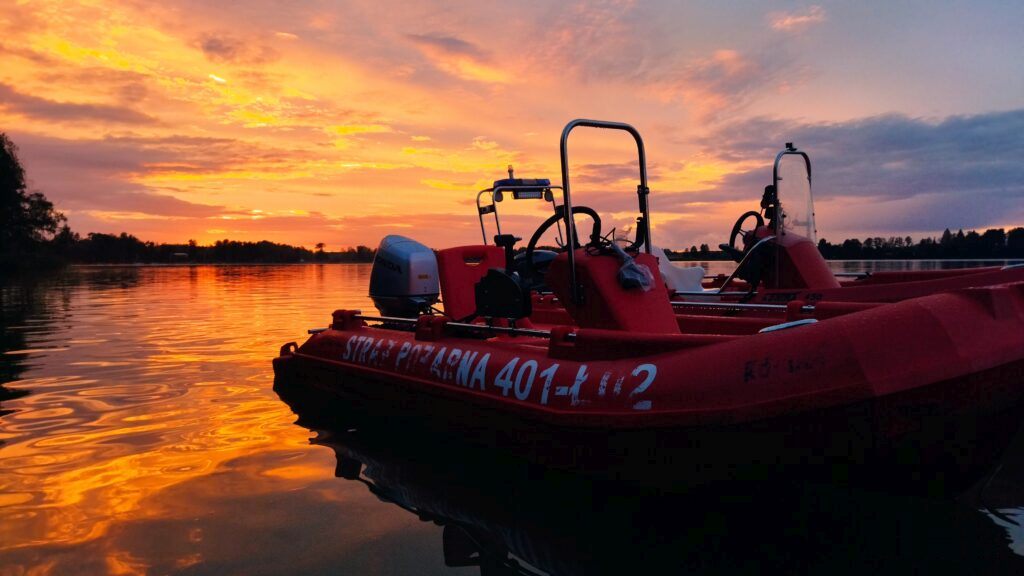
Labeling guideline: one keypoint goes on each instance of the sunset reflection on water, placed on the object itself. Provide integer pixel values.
(140, 434)
(150, 438)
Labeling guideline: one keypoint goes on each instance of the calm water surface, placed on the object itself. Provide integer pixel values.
(140, 434)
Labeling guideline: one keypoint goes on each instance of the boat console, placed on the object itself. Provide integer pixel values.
(520, 189)
(779, 250)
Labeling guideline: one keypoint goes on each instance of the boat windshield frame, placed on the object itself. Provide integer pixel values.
(496, 193)
(644, 229)
(790, 150)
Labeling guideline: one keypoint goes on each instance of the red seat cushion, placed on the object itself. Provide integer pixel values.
(459, 269)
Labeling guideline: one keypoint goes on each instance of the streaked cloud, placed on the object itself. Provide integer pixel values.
(727, 80)
(459, 58)
(797, 20)
(15, 102)
(227, 48)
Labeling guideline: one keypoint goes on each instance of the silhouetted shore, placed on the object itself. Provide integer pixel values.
(993, 244)
(94, 248)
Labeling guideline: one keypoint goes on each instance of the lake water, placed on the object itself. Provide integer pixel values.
(140, 434)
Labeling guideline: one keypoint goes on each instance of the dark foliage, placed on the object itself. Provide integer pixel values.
(28, 221)
(993, 244)
(126, 249)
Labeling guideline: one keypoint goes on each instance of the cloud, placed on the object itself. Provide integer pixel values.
(459, 58)
(222, 48)
(594, 40)
(727, 80)
(126, 86)
(17, 102)
(797, 20)
(132, 156)
(607, 174)
(346, 135)
(27, 53)
(448, 45)
(624, 43)
(884, 174)
(128, 200)
(111, 174)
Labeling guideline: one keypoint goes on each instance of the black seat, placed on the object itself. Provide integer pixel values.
(500, 294)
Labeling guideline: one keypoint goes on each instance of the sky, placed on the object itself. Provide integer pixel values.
(339, 122)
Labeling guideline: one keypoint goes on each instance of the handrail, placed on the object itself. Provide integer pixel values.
(494, 208)
(465, 325)
(807, 308)
(710, 293)
(642, 191)
(740, 266)
(480, 214)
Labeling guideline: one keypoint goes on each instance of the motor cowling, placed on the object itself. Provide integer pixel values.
(403, 281)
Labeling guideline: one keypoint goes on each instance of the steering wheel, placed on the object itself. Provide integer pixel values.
(737, 229)
(595, 233)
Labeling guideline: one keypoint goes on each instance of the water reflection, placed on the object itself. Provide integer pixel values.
(139, 433)
(508, 516)
(142, 381)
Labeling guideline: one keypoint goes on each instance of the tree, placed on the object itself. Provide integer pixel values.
(27, 219)
(320, 254)
(1015, 242)
(993, 242)
(947, 238)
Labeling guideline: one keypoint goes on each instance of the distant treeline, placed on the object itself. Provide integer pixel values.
(126, 249)
(992, 244)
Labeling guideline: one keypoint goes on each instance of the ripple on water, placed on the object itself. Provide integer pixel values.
(140, 379)
(150, 439)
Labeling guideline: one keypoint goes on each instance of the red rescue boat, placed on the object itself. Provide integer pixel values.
(921, 391)
(778, 259)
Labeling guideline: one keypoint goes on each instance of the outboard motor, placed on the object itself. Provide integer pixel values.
(403, 281)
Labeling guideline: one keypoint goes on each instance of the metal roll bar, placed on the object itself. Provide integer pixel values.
(642, 192)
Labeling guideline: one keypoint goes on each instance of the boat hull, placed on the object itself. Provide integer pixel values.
(926, 441)
(921, 396)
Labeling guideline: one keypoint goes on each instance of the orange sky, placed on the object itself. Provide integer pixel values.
(340, 122)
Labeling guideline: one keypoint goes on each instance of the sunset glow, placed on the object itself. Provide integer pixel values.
(341, 122)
